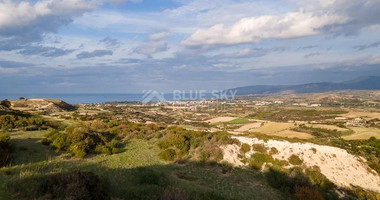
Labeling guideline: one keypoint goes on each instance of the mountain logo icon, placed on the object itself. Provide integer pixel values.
(153, 96)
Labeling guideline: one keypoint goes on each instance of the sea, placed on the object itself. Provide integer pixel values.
(104, 98)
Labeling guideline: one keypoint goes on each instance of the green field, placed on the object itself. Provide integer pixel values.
(238, 121)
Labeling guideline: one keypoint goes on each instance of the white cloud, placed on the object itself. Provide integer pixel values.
(158, 36)
(13, 13)
(157, 43)
(29, 21)
(254, 29)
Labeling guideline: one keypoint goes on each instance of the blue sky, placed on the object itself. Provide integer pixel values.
(127, 46)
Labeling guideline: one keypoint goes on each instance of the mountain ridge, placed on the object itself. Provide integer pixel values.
(361, 83)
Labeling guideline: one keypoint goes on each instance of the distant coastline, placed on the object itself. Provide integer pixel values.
(89, 98)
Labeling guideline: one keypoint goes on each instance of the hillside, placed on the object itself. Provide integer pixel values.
(41, 105)
(363, 83)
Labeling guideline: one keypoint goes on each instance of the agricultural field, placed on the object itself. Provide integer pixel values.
(362, 133)
(273, 127)
(291, 134)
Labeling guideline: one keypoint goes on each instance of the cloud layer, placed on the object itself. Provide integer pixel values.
(255, 29)
(73, 45)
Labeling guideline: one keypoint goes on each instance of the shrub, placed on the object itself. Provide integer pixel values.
(5, 103)
(306, 193)
(295, 160)
(326, 186)
(74, 186)
(262, 157)
(202, 145)
(258, 159)
(284, 182)
(5, 150)
(150, 177)
(273, 150)
(101, 149)
(83, 139)
(245, 148)
(255, 164)
(17, 119)
(259, 148)
(277, 180)
(167, 154)
(210, 151)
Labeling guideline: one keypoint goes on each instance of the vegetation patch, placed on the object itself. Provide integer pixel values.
(76, 185)
(298, 184)
(5, 149)
(10, 120)
(239, 121)
(203, 145)
(295, 160)
(322, 132)
(85, 138)
(284, 115)
(261, 148)
(245, 148)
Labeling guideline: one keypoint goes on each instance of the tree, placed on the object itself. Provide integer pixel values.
(6, 103)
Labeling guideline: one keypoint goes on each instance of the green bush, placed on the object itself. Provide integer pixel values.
(5, 103)
(83, 139)
(202, 145)
(286, 183)
(167, 154)
(273, 150)
(73, 185)
(15, 119)
(210, 151)
(295, 160)
(245, 148)
(5, 149)
(101, 149)
(259, 148)
(258, 159)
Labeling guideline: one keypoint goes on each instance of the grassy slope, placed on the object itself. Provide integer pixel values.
(27, 147)
(120, 171)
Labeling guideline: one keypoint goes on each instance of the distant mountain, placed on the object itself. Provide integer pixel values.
(362, 83)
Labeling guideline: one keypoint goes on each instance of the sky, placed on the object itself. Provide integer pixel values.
(127, 46)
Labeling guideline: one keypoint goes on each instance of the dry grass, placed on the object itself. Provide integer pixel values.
(273, 127)
(247, 127)
(366, 115)
(292, 134)
(281, 130)
(221, 119)
(362, 133)
(329, 127)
